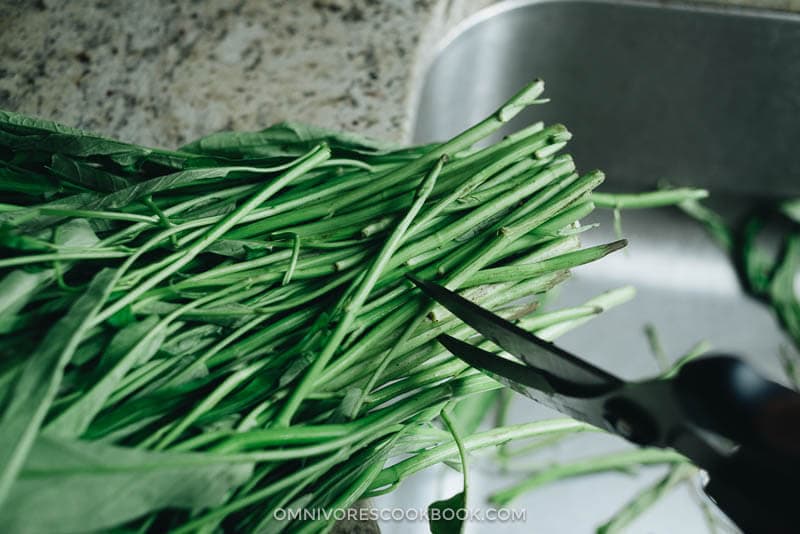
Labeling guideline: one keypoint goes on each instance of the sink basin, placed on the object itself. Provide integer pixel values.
(696, 96)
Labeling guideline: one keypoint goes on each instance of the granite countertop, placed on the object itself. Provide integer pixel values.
(162, 73)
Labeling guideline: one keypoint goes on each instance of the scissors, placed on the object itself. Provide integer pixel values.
(740, 428)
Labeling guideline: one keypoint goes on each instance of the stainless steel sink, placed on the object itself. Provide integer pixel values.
(652, 91)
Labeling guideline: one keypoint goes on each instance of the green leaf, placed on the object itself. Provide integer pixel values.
(11, 237)
(447, 516)
(419, 437)
(16, 290)
(240, 249)
(14, 179)
(791, 209)
(19, 124)
(784, 289)
(191, 340)
(37, 136)
(92, 345)
(124, 197)
(134, 344)
(122, 318)
(86, 175)
(286, 139)
(76, 233)
(758, 263)
(470, 412)
(34, 134)
(76, 486)
(38, 382)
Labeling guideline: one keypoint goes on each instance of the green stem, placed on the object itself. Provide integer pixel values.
(653, 199)
(375, 189)
(183, 257)
(490, 438)
(62, 256)
(357, 300)
(619, 461)
(92, 214)
(645, 499)
(310, 472)
(293, 260)
(462, 450)
(566, 261)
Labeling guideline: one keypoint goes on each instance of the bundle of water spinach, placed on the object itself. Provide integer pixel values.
(192, 339)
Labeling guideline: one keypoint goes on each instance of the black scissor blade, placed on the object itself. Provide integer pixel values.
(517, 373)
(576, 376)
(526, 380)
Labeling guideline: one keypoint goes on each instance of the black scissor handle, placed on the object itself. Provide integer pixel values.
(725, 395)
(756, 486)
(756, 502)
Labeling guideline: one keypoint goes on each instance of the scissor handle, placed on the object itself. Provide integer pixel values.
(757, 503)
(727, 396)
(757, 485)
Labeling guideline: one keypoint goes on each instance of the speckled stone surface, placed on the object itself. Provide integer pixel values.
(162, 73)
